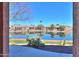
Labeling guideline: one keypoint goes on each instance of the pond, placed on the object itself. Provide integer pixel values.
(45, 36)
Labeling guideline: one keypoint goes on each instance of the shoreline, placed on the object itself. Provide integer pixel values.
(42, 39)
(47, 42)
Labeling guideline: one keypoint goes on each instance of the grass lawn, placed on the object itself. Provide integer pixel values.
(46, 42)
(17, 41)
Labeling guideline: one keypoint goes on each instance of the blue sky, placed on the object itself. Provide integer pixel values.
(48, 12)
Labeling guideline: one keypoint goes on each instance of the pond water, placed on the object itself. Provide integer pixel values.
(45, 37)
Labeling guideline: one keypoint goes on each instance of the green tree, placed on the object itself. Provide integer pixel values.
(61, 27)
(52, 34)
(52, 26)
(40, 27)
(63, 35)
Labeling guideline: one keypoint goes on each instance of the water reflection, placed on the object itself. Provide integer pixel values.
(46, 36)
(61, 34)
